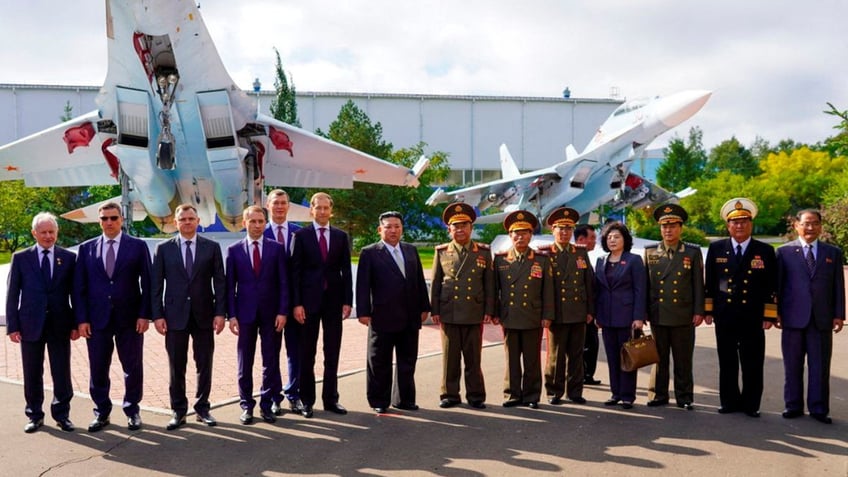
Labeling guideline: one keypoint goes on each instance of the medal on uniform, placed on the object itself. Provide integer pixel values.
(687, 263)
(758, 263)
(536, 270)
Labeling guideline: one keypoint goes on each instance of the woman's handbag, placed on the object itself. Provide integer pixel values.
(638, 352)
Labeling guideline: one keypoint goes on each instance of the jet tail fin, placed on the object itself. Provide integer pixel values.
(570, 152)
(508, 168)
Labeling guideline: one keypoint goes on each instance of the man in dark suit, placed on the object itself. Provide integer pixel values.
(675, 306)
(574, 308)
(112, 290)
(189, 300)
(257, 300)
(586, 238)
(322, 296)
(281, 230)
(740, 285)
(391, 299)
(811, 306)
(463, 299)
(39, 315)
(525, 305)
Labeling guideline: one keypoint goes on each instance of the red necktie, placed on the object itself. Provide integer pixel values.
(257, 260)
(280, 237)
(322, 243)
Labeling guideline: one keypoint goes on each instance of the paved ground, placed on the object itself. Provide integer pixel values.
(554, 440)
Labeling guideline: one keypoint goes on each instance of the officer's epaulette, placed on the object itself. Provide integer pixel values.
(484, 246)
(545, 250)
(692, 245)
(653, 245)
(501, 254)
(442, 247)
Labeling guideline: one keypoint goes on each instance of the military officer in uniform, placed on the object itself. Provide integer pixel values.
(525, 305)
(574, 308)
(740, 298)
(462, 298)
(676, 306)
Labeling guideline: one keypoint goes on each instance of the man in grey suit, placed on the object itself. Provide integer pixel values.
(191, 305)
(810, 308)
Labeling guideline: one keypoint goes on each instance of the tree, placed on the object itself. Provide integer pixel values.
(732, 156)
(803, 175)
(684, 162)
(838, 145)
(284, 106)
(15, 214)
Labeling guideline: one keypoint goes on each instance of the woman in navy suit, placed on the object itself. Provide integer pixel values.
(620, 304)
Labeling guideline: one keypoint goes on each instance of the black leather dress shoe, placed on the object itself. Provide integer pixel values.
(591, 380)
(611, 402)
(65, 424)
(98, 424)
(446, 403)
(726, 410)
(477, 404)
(657, 402)
(33, 425)
(555, 401)
(792, 414)
(380, 410)
(207, 419)
(306, 411)
(752, 413)
(267, 416)
(134, 422)
(511, 403)
(823, 418)
(533, 405)
(626, 405)
(686, 405)
(246, 417)
(335, 408)
(578, 400)
(176, 421)
(276, 409)
(406, 406)
(296, 406)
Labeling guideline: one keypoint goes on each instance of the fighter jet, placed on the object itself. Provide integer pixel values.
(599, 175)
(171, 127)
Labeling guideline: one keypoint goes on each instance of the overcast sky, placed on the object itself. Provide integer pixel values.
(772, 64)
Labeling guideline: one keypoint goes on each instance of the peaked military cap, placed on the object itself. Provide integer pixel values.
(563, 217)
(738, 208)
(520, 220)
(670, 214)
(458, 212)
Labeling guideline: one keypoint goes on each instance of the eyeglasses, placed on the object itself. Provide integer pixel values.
(107, 218)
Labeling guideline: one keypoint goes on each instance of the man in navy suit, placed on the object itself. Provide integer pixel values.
(257, 300)
(192, 305)
(322, 294)
(39, 314)
(112, 291)
(811, 306)
(281, 230)
(391, 299)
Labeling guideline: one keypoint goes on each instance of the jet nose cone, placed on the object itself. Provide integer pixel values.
(681, 106)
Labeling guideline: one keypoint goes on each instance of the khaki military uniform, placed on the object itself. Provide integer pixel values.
(525, 298)
(676, 284)
(574, 301)
(462, 293)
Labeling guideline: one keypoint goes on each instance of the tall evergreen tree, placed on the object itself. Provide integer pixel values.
(684, 162)
(284, 105)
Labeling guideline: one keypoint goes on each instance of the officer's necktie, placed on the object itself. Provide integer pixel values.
(45, 264)
(738, 253)
(110, 258)
(811, 260)
(257, 260)
(399, 260)
(189, 258)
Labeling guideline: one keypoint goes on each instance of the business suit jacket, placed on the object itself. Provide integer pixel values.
(622, 300)
(740, 290)
(393, 302)
(676, 285)
(250, 296)
(310, 272)
(525, 290)
(291, 228)
(29, 296)
(463, 290)
(802, 296)
(125, 296)
(573, 283)
(203, 294)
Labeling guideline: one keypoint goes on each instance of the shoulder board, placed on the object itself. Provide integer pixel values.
(692, 245)
(442, 246)
(484, 246)
(502, 254)
(652, 246)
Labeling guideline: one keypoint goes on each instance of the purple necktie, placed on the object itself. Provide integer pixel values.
(110, 258)
(322, 244)
(280, 237)
(257, 260)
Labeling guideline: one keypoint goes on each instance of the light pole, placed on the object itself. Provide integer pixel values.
(256, 87)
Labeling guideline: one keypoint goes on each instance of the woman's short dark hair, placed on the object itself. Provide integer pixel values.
(620, 228)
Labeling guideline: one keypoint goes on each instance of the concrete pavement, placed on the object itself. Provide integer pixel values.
(554, 440)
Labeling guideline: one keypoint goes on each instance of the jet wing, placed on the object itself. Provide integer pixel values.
(639, 193)
(69, 154)
(499, 193)
(295, 157)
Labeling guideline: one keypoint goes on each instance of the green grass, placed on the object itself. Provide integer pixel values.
(5, 257)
